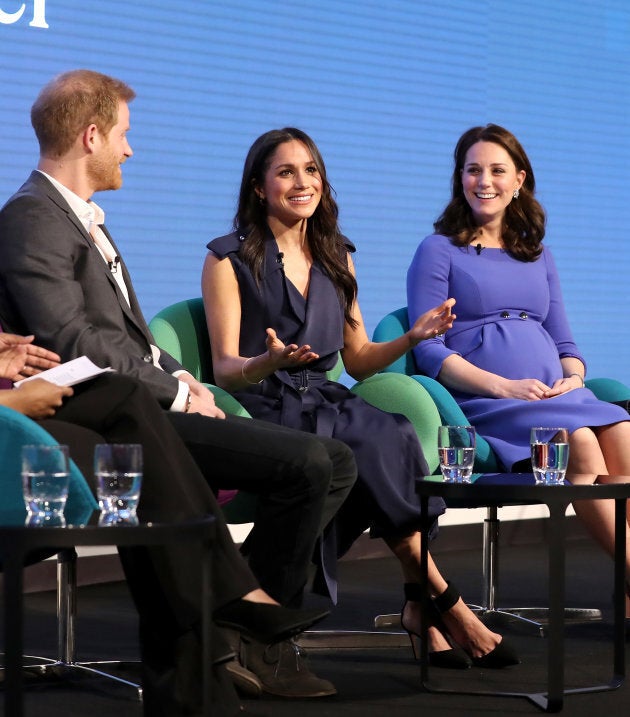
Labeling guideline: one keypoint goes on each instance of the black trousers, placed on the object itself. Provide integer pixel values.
(301, 482)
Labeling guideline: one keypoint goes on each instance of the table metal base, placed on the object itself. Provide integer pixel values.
(17, 541)
(557, 499)
(47, 670)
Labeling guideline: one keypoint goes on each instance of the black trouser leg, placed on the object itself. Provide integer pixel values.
(299, 479)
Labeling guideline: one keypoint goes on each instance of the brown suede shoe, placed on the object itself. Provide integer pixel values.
(282, 670)
(245, 681)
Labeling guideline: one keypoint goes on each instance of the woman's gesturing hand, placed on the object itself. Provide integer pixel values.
(435, 322)
(290, 356)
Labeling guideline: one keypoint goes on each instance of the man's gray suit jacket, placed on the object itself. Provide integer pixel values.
(54, 284)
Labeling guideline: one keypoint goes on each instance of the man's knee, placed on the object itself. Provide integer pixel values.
(344, 466)
(328, 465)
(313, 470)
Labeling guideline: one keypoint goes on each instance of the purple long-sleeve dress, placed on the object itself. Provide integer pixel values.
(510, 321)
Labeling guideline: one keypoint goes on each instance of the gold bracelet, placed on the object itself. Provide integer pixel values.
(578, 375)
(243, 366)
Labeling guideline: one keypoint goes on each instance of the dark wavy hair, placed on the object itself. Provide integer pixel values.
(322, 229)
(524, 219)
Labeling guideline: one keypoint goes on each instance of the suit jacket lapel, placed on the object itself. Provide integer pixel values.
(132, 310)
(133, 313)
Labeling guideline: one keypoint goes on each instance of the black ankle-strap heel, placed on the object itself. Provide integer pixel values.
(503, 654)
(454, 658)
(447, 599)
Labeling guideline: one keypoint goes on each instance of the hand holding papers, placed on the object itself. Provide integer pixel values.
(69, 373)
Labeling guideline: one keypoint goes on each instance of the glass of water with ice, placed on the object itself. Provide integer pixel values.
(456, 448)
(118, 472)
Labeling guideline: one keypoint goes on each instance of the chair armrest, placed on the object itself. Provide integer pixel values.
(397, 393)
(608, 389)
(17, 430)
(226, 402)
(452, 415)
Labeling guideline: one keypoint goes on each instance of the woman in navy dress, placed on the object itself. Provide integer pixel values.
(510, 360)
(280, 300)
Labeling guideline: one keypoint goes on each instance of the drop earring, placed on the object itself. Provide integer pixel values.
(516, 193)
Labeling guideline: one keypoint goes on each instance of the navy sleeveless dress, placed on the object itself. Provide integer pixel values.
(386, 448)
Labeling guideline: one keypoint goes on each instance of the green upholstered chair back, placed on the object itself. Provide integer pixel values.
(392, 325)
(16, 431)
(397, 393)
(180, 329)
(395, 324)
(609, 389)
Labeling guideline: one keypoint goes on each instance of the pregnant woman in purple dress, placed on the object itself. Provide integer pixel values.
(280, 299)
(510, 359)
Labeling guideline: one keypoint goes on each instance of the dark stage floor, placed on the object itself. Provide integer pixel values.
(382, 683)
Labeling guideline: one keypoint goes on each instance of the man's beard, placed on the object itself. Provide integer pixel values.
(104, 172)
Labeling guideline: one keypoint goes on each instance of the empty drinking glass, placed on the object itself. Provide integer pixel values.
(118, 471)
(45, 482)
(456, 448)
(550, 454)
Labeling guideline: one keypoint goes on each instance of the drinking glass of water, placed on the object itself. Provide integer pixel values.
(118, 471)
(550, 454)
(45, 481)
(456, 448)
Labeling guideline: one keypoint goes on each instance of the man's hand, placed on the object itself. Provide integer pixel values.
(36, 399)
(202, 399)
(20, 358)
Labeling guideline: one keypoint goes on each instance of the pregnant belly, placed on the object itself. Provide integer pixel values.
(516, 349)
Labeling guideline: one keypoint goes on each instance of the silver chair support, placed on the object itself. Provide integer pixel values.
(65, 664)
(536, 617)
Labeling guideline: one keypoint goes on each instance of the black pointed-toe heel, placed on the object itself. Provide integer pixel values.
(453, 659)
(503, 654)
